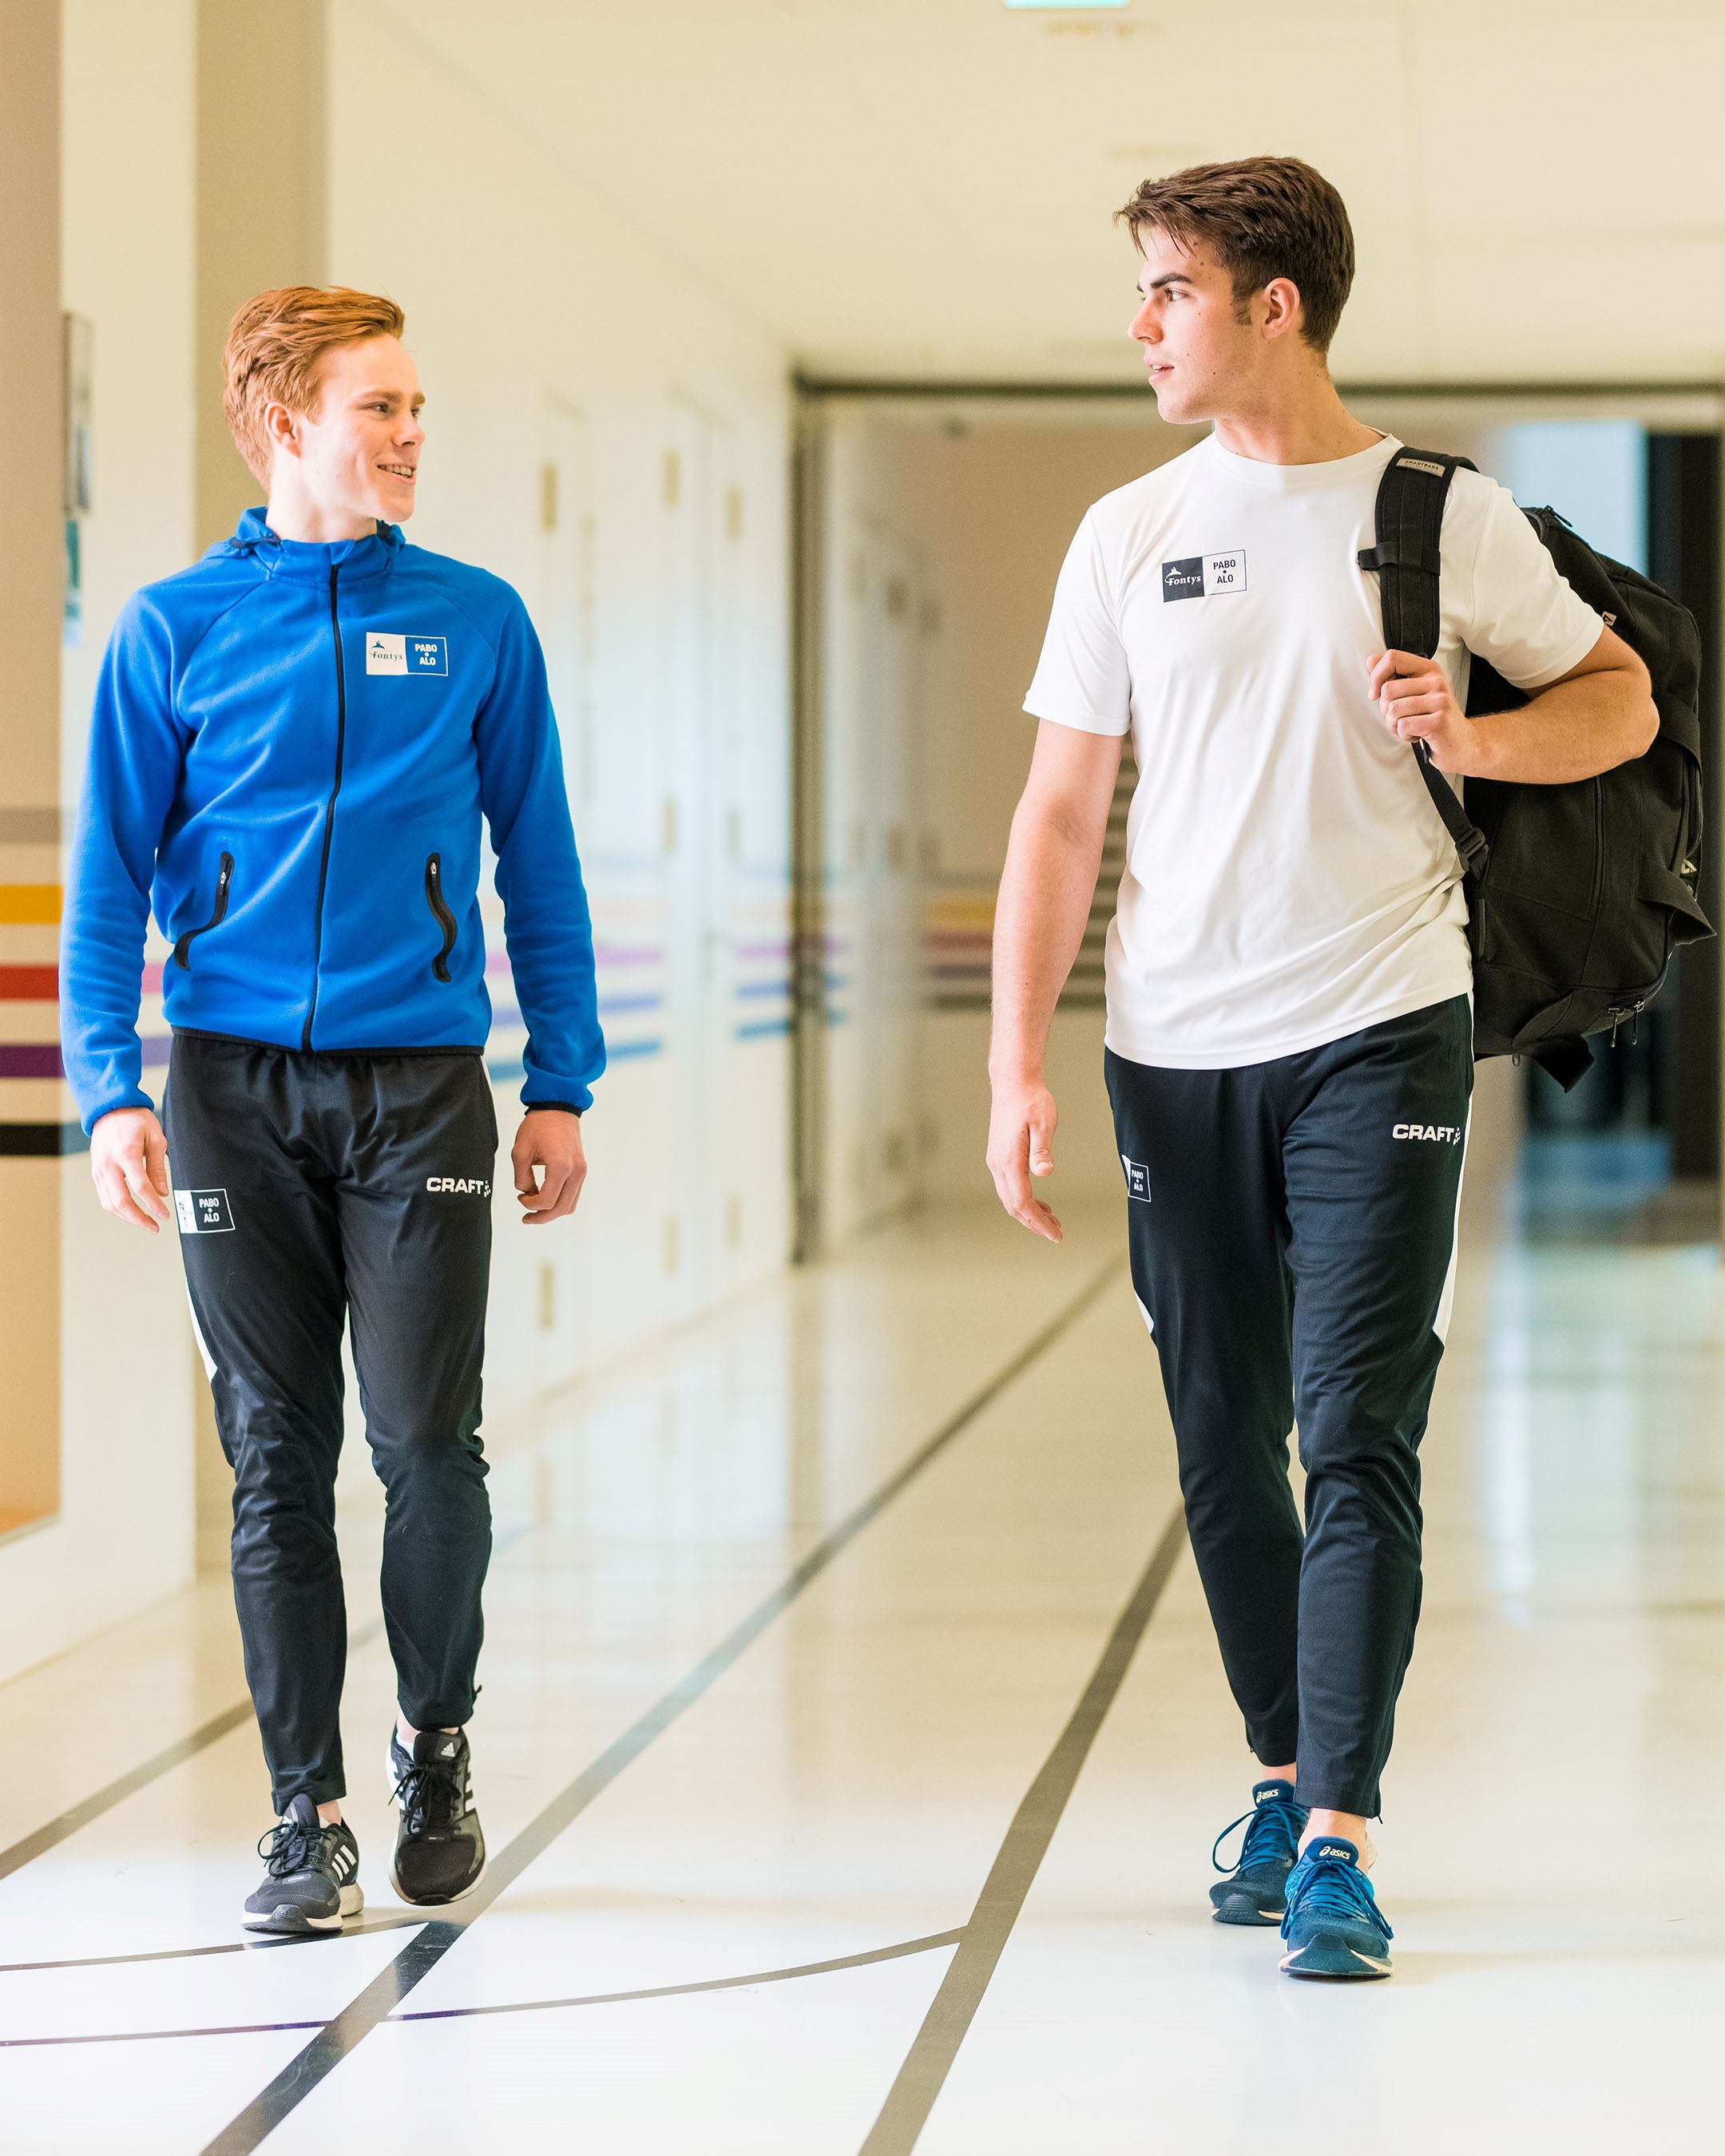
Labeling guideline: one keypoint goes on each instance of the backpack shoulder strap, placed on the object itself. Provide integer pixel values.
(1407, 559)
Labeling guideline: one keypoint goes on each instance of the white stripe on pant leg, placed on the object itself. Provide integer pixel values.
(210, 1360)
(1446, 1301)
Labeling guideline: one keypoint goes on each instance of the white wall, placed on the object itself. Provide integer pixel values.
(548, 331)
(124, 1533)
(983, 500)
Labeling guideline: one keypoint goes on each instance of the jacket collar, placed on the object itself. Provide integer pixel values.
(309, 560)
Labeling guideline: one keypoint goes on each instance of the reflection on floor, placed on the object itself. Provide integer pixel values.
(852, 1743)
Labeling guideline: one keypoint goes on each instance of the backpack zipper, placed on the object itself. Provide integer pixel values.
(445, 920)
(182, 949)
(328, 813)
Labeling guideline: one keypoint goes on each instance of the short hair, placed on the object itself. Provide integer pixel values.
(1262, 218)
(276, 344)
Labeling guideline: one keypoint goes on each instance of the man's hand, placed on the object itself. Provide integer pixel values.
(548, 1138)
(1418, 703)
(1021, 1130)
(128, 1164)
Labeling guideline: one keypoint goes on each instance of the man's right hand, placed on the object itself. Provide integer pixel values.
(1021, 1128)
(128, 1164)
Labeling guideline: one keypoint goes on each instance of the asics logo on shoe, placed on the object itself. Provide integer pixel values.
(1433, 1133)
(1329, 1849)
(458, 1185)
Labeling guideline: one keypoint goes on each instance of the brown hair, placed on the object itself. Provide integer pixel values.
(276, 344)
(1261, 218)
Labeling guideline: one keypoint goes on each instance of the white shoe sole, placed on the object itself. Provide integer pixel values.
(290, 1922)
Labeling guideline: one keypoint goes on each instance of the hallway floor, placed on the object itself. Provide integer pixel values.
(852, 1744)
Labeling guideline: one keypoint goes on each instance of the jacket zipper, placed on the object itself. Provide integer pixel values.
(445, 919)
(182, 949)
(328, 813)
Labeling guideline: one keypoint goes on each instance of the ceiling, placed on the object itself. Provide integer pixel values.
(924, 188)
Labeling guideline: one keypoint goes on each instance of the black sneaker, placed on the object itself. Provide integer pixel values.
(439, 1850)
(312, 1878)
(1255, 1892)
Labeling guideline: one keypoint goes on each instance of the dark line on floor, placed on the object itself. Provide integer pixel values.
(128, 1784)
(896, 1952)
(153, 2035)
(945, 2026)
(929, 1945)
(260, 1945)
(376, 2003)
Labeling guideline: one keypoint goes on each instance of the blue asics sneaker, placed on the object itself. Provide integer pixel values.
(1333, 1925)
(1252, 1893)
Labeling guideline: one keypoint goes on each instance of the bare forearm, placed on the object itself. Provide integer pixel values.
(1040, 918)
(1574, 730)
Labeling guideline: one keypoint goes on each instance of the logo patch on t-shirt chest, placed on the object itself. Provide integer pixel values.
(1203, 576)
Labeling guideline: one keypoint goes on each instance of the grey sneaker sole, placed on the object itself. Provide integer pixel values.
(1335, 1964)
(288, 1920)
(1246, 1909)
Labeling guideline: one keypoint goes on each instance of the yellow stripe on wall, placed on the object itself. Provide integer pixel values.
(32, 904)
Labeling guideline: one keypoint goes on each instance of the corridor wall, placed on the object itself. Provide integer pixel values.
(631, 480)
(629, 477)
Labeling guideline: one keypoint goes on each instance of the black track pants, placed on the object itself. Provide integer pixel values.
(309, 1189)
(1292, 1228)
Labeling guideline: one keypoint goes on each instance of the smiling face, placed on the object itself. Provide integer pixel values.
(1204, 351)
(355, 455)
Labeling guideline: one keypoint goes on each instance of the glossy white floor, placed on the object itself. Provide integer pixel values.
(799, 1631)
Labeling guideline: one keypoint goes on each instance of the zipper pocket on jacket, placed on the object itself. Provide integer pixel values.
(445, 919)
(182, 949)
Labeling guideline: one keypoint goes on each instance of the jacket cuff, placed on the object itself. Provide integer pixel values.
(568, 1107)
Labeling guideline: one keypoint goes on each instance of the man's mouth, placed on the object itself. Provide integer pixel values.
(399, 471)
(1158, 367)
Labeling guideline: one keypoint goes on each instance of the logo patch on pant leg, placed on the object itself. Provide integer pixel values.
(1429, 1133)
(1137, 1179)
(203, 1212)
(460, 1186)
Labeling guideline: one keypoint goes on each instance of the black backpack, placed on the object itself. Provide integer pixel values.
(1576, 893)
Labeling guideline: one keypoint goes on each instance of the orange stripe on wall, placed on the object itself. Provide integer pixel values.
(32, 905)
(28, 985)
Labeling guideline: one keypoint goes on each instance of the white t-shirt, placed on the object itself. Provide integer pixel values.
(1287, 878)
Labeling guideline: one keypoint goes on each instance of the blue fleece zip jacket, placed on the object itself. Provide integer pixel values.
(291, 750)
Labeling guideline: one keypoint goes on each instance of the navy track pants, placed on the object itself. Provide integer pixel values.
(312, 1190)
(1292, 1230)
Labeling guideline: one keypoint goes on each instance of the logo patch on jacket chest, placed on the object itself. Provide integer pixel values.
(387, 654)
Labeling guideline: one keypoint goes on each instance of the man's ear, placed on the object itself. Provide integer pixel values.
(1279, 301)
(281, 429)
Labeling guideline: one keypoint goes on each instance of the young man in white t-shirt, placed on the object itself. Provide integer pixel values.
(1290, 1037)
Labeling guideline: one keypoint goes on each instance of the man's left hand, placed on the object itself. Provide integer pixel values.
(549, 1138)
(1418, 703)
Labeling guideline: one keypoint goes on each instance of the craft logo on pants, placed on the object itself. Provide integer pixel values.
(1203, 575)
(406, 654)
(203, 1212)
(1137, 1179)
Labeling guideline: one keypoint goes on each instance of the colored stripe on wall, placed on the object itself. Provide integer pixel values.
(30, 905)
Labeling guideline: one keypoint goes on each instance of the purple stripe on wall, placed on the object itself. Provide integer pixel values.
(29, 1059)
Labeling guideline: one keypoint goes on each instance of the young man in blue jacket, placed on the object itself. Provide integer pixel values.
(294, 744)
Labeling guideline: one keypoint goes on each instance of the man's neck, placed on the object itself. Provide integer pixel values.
(310, 521)
(1309, 426)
